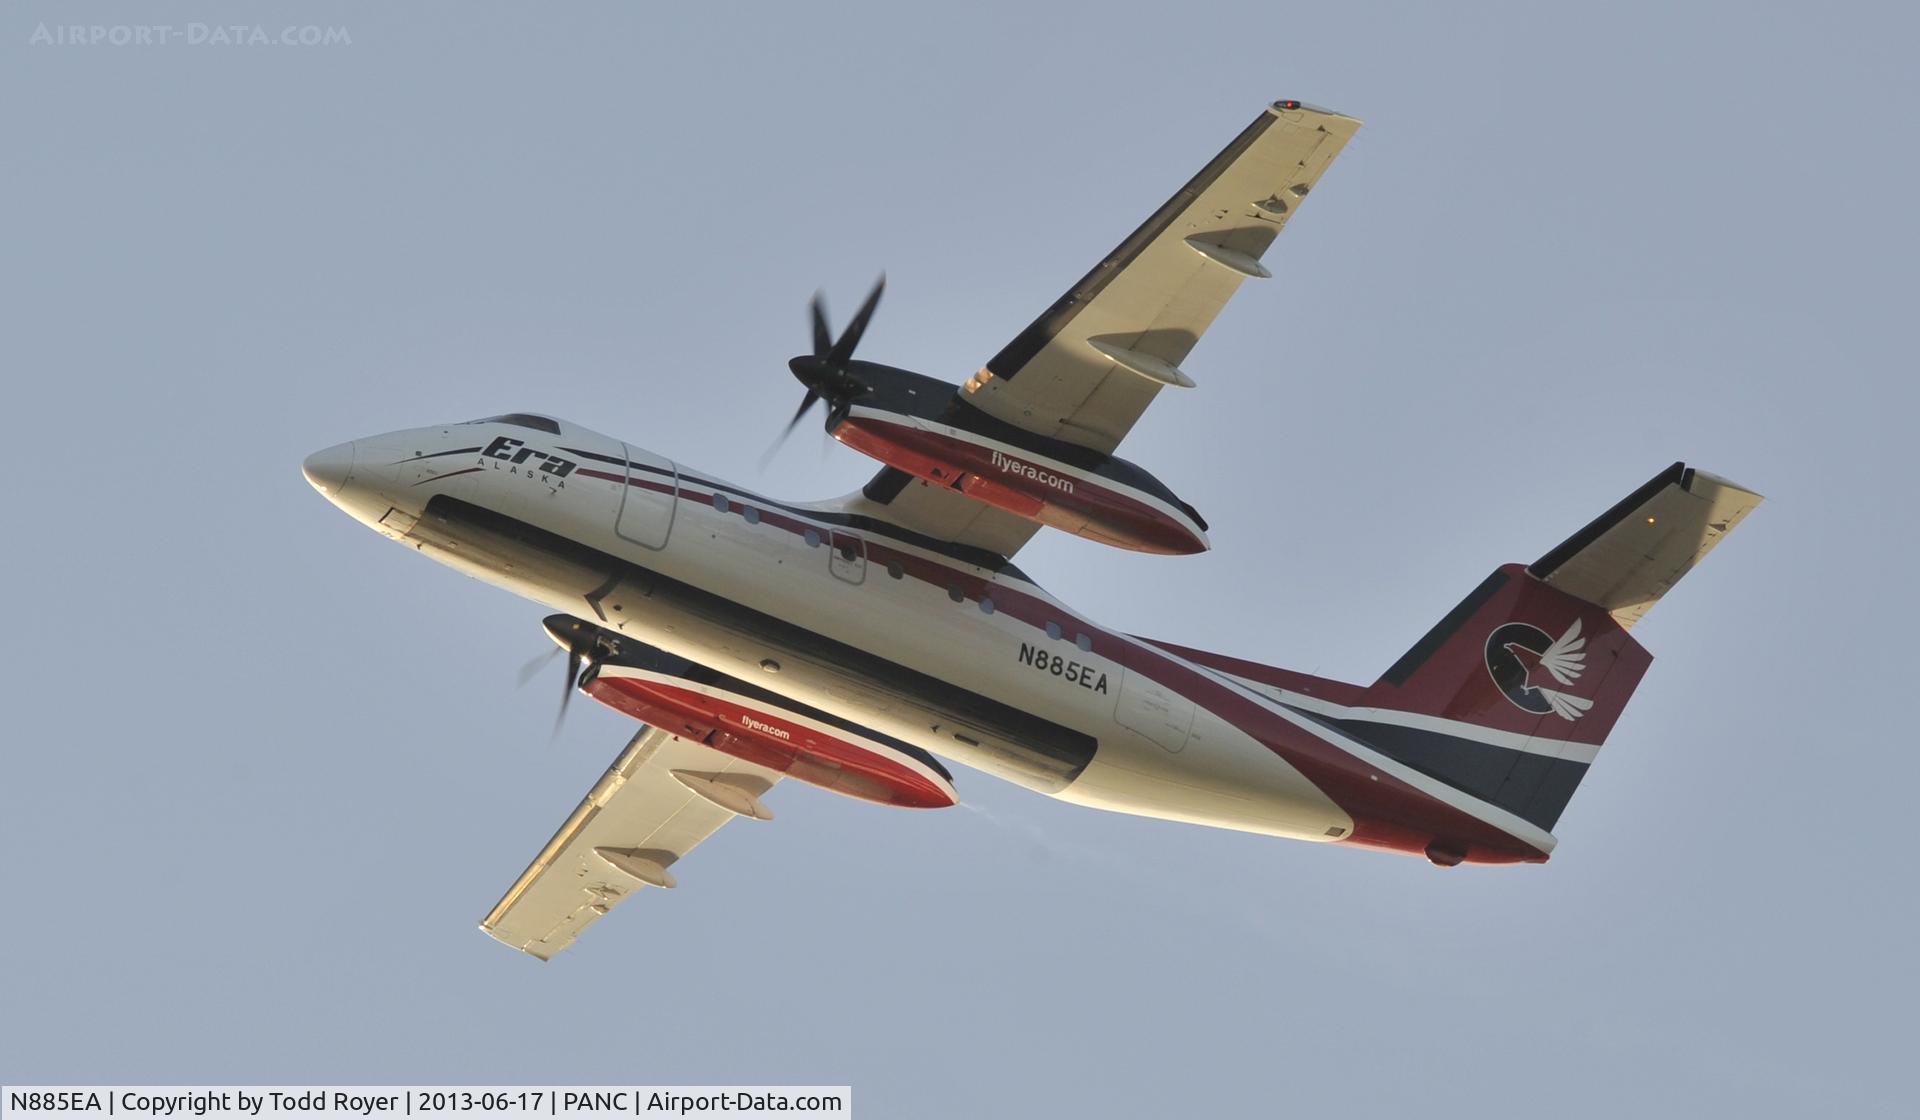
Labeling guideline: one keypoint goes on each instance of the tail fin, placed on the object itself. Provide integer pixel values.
(1511, 695)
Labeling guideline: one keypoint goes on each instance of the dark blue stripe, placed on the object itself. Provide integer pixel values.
(1533, 787)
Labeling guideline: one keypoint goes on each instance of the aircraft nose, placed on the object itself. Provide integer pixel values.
(328, 471)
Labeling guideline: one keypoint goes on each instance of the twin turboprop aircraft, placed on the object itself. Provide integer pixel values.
(852, 644)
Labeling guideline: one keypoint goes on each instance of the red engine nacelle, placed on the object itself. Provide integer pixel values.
(1114, 503)
(760, 729)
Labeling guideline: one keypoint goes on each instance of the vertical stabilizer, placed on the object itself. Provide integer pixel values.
(1521, 682)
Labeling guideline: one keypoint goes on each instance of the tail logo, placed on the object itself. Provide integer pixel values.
(1529, 667)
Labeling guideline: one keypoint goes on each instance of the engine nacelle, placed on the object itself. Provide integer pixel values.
(697, 703)
(1049, 481)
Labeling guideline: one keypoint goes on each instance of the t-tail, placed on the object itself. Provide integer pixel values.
(1511, 695)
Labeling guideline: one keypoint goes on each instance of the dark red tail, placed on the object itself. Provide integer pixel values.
(1514, 691)
(1519, 656)
(1529, 681)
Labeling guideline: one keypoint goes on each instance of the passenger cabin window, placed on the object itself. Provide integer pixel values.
(523, 420)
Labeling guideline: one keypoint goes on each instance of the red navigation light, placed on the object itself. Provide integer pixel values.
(1288, 104)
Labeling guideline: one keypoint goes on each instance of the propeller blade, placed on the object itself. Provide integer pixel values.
(843, 349)
(822, 337)
(573, 678)
(824, 372)
(533, 668)
(806, 402)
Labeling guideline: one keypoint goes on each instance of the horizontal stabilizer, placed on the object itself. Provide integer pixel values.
(1635, 552)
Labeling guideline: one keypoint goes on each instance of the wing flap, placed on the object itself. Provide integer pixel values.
(638, 806)
(1159, 291)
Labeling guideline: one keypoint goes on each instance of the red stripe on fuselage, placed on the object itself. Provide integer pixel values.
(1337, 692)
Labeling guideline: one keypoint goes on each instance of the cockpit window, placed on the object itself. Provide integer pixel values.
(523, 420)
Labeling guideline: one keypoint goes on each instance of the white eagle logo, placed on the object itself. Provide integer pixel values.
(1561, 662)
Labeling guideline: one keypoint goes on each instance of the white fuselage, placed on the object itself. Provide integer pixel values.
(843, 614)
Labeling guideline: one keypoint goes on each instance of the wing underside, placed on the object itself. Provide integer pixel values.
(1087, 368)
(643, 814)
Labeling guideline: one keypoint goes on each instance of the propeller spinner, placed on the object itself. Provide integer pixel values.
(582, 645)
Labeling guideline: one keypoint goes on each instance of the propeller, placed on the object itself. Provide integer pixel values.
(580, 642)
(825, 372)
(533, 667)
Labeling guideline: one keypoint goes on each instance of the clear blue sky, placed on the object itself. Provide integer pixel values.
(263, 771)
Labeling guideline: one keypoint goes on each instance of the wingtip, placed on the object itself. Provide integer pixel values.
(1720, 481)
(1288, 105)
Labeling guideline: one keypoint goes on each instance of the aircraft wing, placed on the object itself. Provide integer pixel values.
(644, 813)
(943, 514)
(1088, 367)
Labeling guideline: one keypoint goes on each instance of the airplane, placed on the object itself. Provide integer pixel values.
(856, 643)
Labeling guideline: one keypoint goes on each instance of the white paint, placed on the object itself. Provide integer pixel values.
(1220, 776)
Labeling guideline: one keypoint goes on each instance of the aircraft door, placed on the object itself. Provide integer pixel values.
(848, 557)
(647, 503)
(1154, 710)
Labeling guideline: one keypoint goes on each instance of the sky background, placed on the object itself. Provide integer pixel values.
(264, 771)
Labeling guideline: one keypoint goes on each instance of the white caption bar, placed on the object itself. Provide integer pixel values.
(391, 1102)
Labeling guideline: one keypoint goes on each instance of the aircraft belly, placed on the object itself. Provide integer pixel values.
(1214, 774)
(895, 655)
(792, 653)
(1223, 779)
(502, 550)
